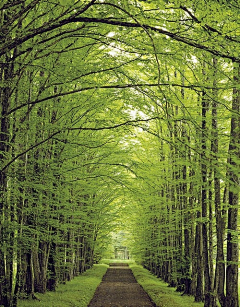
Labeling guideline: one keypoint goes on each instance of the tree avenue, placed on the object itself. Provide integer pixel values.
(120, 114)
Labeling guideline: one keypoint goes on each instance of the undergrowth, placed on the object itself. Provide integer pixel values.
(75, 293)
(160, 293)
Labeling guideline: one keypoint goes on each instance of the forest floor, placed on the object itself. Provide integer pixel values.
(119, 288)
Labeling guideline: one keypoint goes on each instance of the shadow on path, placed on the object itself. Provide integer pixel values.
(119, 288)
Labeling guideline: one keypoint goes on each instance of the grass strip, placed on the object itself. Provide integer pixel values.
(75, 293)
(158, 290)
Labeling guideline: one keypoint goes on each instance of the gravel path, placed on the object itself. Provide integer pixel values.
(119, 288)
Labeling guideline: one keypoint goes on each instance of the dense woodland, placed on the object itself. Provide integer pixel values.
(120, 115)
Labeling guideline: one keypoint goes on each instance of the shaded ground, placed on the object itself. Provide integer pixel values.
(119, 288)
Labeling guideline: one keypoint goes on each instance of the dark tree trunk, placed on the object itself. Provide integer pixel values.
(219, 280)
(199, 296)
(40, 262)
(232, 236)
(6, 76)
(204, 196)
(27, 275)
(52, 280)
(187, 228)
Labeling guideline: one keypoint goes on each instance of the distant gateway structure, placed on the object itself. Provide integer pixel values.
(121, 252)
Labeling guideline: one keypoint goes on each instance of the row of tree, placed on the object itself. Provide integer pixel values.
(190, 187)
(57, 164)
(106, 102)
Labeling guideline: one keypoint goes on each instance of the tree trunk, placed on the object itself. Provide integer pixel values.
(232, 235)
(219, 280)
(6, 261)
(204, 201)
(40, 263)
(199, 295)
(52, 280)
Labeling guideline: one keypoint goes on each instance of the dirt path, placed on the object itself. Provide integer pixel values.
(119, 288)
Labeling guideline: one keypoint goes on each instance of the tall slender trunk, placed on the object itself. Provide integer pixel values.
(219, 279)
(192, 238)
(198, 245)
(199, 295)
(204, 201)
(232, 226)
(6, 235)
(186, 206)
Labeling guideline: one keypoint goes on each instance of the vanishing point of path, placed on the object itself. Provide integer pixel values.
(119, 288)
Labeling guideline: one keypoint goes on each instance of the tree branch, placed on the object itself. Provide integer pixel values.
(72, 19)
(196, 87)
(129, 122)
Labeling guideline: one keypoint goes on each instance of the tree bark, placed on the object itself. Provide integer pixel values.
(232, 226)
(219, 279)
(199, 294)
(207, 282)
(6, 255)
